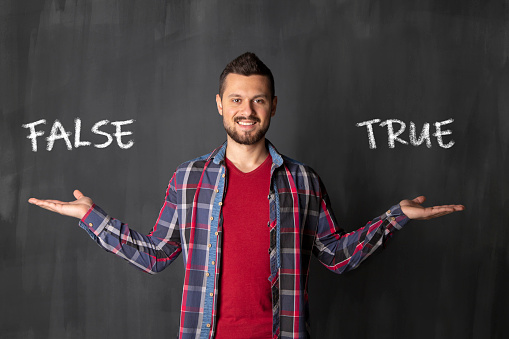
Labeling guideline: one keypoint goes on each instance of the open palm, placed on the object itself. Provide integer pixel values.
(414, 210)
(77, 208)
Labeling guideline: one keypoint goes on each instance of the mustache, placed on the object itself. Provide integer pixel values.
(249, 118)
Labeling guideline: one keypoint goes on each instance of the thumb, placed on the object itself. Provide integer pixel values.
(77, 194)
(420, 199)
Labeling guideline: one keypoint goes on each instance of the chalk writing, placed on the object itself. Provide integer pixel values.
(58, 132)
(393, 137)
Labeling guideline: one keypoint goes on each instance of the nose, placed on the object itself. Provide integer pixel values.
(248, 107)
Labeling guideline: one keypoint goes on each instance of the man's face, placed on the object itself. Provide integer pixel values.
(246, 107)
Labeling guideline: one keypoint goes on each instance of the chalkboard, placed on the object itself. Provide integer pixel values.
(145, 74)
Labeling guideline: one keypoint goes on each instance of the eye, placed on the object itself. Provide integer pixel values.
(258, 101)
(236, 100)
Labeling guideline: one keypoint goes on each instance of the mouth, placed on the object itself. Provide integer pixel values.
(246, 123)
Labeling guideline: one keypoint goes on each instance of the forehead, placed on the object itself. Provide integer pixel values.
(242, 84)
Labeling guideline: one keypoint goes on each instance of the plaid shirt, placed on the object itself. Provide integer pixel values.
(301, 223)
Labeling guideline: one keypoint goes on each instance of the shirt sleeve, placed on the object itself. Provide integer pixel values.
(150, 253)
(340, 251)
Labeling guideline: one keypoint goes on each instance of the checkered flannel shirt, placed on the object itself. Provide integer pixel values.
(301, 223)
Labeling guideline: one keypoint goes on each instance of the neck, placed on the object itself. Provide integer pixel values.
(246, 157)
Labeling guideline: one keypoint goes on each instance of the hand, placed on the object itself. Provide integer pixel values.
(77, 208)
(414, 210)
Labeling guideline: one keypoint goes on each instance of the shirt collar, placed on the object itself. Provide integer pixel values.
(218, 155)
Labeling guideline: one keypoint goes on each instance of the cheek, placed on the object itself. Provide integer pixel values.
(228, 115)
(267, 114)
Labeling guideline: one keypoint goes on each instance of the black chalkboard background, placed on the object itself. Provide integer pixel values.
(336, 63)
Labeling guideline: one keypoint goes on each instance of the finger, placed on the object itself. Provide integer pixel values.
(49, 208)
(43, 203)
(420, 199)
(433, 212)
(55, 201)
(454, 208)
(48, 205)
(450, 206)
(77, 194)
(439, 214)
(439, 211)
(35, 201)
(39, 201)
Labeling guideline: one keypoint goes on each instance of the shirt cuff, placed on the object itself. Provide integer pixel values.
(94, 221)
(396, 218)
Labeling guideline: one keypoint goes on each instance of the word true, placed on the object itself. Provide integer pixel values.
(59, 133)
(392, 136)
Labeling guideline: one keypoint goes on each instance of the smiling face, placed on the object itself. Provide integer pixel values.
(246, 106)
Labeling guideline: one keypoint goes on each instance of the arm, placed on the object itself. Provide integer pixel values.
(150, 253)
(340, 251)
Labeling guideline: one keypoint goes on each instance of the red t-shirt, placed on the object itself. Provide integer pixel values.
(245, 304)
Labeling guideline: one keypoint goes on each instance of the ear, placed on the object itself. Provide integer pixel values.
(219, 104)
(274, 104)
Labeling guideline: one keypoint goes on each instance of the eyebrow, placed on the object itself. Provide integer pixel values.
(234, 95)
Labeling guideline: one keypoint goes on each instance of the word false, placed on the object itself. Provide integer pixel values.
(59, 133)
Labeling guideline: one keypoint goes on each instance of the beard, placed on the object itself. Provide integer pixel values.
(245, 138)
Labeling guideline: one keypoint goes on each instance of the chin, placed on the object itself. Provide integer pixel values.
(247, 139)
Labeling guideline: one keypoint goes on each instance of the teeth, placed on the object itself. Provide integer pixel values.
(245, 123)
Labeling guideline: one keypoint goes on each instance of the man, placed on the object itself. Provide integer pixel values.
(247, 219)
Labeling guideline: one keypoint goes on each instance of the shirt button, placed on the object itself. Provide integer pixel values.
(220, 203)
(207, 274)
(208, 325)
(90, 224)
(209, 245)
(217, 191)
(223, 175)
(211, 218)
(213, 262)
(392, 218)
(216, 233)
(211, 294)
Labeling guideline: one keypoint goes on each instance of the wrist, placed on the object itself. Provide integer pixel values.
(86, 211)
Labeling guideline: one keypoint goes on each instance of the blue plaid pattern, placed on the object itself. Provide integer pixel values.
(301, 223)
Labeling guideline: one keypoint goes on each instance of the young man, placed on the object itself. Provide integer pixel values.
(247, 219)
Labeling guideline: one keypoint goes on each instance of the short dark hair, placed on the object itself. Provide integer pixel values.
(246, 64)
